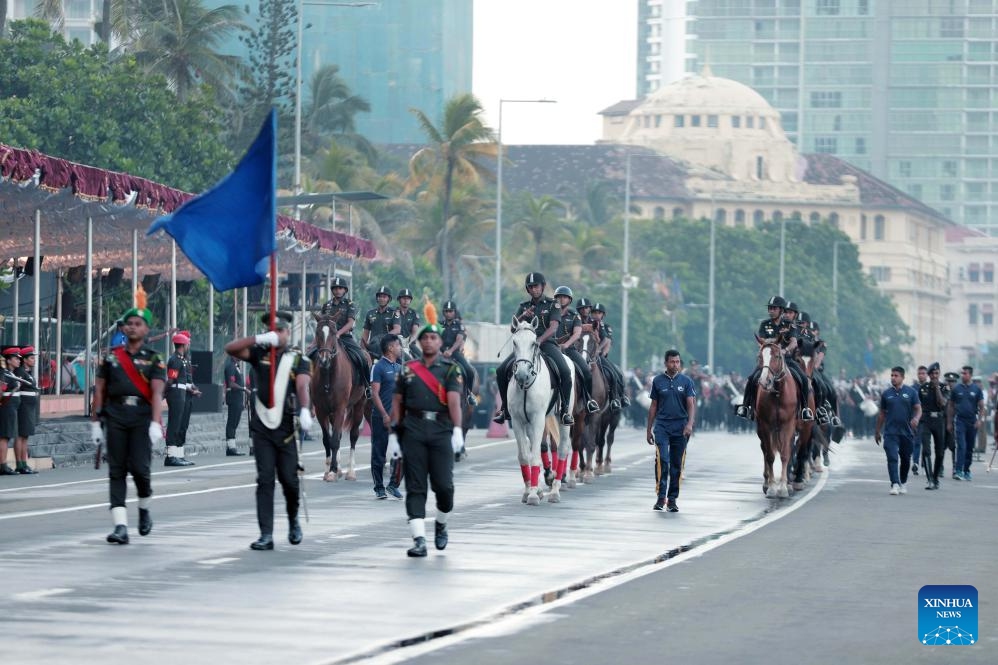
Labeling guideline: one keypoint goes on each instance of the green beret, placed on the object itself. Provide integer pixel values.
(430, 328)
(143, 313)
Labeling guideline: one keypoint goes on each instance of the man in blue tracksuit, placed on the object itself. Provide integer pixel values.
(672, 413)
(964, 411)
(900, 409)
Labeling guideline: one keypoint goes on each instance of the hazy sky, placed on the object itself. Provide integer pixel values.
(580, 53)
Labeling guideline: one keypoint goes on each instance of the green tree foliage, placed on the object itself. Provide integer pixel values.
(51, 89)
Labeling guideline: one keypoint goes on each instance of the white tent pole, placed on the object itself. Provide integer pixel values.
(135, 264)
(37, 310)
(88, 352)
(58, 332)
(211, 317)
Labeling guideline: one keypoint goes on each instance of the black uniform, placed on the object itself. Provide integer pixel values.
(234, 397)
(407, 320)
(425, 435)
(10, 402)
(451, 329)
(179, 381)
(611, 371)
(932, 427)
(379, 322)
(126, 415)
(545, 310)
(27, 411)
(341, 311)
(570, 320)
(275, 449)
(783, 330)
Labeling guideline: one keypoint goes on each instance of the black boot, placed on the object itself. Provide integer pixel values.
(294, 531)
(233, 452)
(440, 535)
(418, 548)
(264, 542)
(145, 522)
(119, 535)
(501, 417)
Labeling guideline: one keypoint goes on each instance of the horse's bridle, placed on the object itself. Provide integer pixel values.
(324, 353)
(532, 364)
(777, 376)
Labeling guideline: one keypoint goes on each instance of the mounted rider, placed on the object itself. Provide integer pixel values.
(343, 312)
(547, 314)
(569, 339)
(452, 343)
(615, 379)
(380, 321)
(781, 328)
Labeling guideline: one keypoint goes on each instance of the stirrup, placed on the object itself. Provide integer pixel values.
(501, 417)
(367, 392)
(615, 405)
(472, 400)
(806, 414)
(742, 411)
(592, 406)
(823, 416)
(625, 402)
(567, 419)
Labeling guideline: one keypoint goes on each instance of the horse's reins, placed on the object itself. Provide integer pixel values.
(779, 376)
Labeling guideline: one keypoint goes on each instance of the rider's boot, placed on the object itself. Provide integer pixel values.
(625, 402)
(502, 416)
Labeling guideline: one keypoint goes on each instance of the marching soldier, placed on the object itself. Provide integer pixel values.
(235, 396)
(273, 428)
(618, 396)
(453, 337)
(180, 391)
(344, 314)
(27, 411)
(380, 321)
(427, 414)
(548, 314)
(568, 338)
(128, 397)
(10, 401)
(932, 427)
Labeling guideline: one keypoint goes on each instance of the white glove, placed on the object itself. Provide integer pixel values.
(96, 433)
(155, 433)
(394, 449)
(268, 339)
(457, 440)
(305, 420)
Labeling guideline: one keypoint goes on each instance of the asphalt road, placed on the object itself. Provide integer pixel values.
(833, 571)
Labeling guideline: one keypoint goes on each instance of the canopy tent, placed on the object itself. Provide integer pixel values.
(55, 208)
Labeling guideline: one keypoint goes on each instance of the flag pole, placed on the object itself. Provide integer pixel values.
(273, 322)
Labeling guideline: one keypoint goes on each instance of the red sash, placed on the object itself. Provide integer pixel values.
(431, 382)
(140, 382)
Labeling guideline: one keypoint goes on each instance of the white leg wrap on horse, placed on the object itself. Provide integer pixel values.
(417, 527)
(442, 517)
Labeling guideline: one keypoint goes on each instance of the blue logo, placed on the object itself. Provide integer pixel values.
(947, 615)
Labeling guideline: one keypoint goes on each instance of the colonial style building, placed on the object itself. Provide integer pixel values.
(970, 324)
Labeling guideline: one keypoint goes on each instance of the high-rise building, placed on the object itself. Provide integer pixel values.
(905, 89)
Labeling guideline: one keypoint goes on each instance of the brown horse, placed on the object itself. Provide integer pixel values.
(595, 423)
(776, 415)
(809, 433)
(338, 397)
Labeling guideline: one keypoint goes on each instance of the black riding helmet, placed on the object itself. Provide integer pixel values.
(383, 291)
(404, 293)
(582, 303)
(598, 307)
(777, 301)
(804, 317)
(534, 278)
(791, 306)
(563, 291)
(338, 282)
(450, 305)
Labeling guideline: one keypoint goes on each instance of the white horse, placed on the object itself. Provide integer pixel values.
(529, 400)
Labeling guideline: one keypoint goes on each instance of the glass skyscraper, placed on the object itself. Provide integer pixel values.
(906, 89)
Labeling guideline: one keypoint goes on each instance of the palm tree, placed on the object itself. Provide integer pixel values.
(180, 39)
(458, 150)
(541, 218)
(53, 12)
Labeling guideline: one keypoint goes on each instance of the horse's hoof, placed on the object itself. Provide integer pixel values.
(523, 499)
(606, 469)
(351, 475)
(599, 470)
(570, 483)
(330, 476)
(818, 468)
(765, 490)
(554, 497)
(783, 493)
(772, 492)
(588, 477)
(798, 487)
(533, 500)
(548, 477)
(340, 473)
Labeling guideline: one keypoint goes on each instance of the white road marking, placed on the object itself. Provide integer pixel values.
(160, 497)
(215, 562)
(39, 594)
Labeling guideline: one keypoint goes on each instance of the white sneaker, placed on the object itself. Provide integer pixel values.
(904, 490)
(895, 489)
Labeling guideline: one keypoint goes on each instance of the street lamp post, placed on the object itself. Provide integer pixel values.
(625, 281)
(835, 284)
(710, 291)
(783, 250)
(498, 286)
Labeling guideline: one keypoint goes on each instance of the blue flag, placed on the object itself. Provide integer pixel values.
(229, 232)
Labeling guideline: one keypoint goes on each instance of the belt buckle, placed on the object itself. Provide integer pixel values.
(130, 400)
(430, 415)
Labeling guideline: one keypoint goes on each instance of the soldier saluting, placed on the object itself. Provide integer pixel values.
(128, 398)
(272, 423)
(426, 411)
